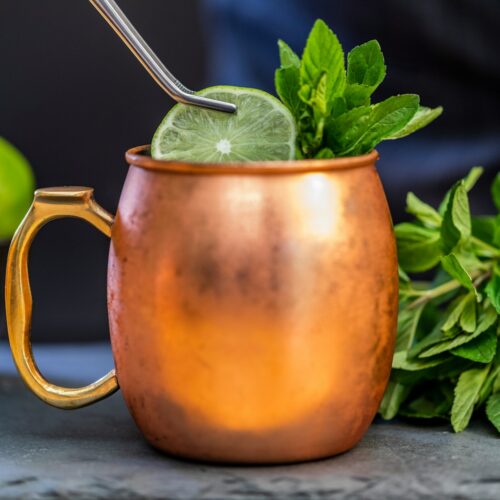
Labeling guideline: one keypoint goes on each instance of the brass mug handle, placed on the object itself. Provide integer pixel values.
(49, 204)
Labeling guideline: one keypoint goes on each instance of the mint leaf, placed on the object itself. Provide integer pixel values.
(345, 130)
(422, 211)
(401, 361)
(385, 119)
(419, 248)
(469, 182)
(287, 56)
(451, 264)
(316, 99)
(319, 98)
(489, 386)
(287, 82)
(356, 95)
(496, 233)
(323, 54)
(481, 350)
(472, 177)
(453, 315)
(366, 65)
(456, 226)
(484, 227)
(493, 410)
(407, 328)
(394, 396)
(338, 107)
(423, 117)
(403, 277)
(365, 72)
(496, 383)
(492, 290)
(432, 338)
(324, 154)
(434, 403)
(468, 319)
(495, 191)
(424, 408)
(466, 395)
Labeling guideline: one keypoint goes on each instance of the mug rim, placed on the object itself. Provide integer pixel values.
(139, 157)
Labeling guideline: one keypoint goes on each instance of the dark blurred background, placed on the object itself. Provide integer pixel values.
(73, 99)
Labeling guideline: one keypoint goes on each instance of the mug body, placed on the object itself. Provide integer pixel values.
(253, 308)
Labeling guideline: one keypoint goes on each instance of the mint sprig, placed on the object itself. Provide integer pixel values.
(332, 104)
(447, 361)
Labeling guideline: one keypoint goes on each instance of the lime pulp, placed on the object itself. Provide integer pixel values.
(262, 129)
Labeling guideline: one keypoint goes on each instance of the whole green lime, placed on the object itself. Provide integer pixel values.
(17, 184)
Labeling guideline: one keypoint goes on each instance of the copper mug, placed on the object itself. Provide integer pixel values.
(252, 307)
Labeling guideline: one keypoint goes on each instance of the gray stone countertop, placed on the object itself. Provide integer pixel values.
(98, 453)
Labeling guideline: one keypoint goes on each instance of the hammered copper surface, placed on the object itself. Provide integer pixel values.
(253, 310)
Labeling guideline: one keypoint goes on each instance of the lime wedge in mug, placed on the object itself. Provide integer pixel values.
(262, 129)
(16, 188)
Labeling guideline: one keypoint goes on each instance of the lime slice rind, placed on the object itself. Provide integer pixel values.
(262, 129)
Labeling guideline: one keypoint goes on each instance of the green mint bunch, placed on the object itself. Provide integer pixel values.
(447, 361)
(332, 106)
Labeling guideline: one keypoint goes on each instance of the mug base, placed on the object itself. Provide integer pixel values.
(239, 459)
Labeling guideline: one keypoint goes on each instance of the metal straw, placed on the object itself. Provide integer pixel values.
(175, 89)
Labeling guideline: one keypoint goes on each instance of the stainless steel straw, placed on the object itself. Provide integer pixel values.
(175, 89)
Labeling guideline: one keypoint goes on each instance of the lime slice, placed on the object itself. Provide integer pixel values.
(262, 129)
(16, 188)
